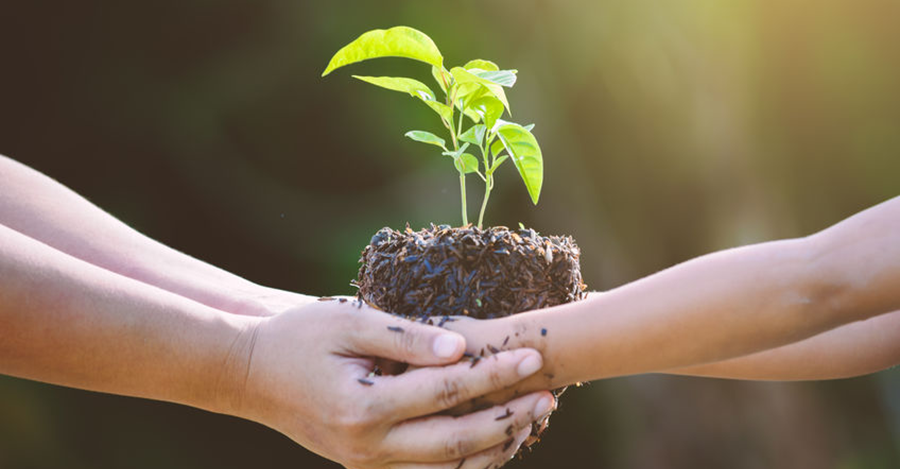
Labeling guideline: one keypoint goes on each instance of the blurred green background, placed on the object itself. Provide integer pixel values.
(669, 129)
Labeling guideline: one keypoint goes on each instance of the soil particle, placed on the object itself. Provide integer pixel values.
(395, 329)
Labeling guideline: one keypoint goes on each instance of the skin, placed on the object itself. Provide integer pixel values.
(87, 302)
(820, 307)
(39, 207)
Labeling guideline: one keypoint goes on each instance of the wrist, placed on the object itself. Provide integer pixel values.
(228, 393)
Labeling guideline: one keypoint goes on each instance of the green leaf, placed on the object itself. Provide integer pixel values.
(466, 163)
(465, 94)
(399, 41)
(528, 127)
(463, 77)
(474, 134)
(488, 108)
(414, 88)
(442, 77)
(526, 155)
(497, 147)
(498, 162)
(481, 64)
(455, 154)
(505, 78)
(426, 137)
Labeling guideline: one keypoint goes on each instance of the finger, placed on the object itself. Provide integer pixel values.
(426, 391)
(445, 438)
(493, 458)
(381, 335)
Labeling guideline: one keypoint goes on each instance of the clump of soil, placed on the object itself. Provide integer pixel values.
(468, 271)
(439, 272)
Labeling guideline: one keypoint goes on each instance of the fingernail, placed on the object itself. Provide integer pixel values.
(529, 365)
(542, 408)
(446, 345)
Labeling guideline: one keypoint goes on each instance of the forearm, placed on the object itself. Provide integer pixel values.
(712, 308)
(41, 208)
(720, 306)
(67, 322)
(852, 350)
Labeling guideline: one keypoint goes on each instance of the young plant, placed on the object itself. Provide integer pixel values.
(474, 91)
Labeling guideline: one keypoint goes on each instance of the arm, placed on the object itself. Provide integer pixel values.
(41, 208)
(68, 322)
(715, 307)
(855, 349)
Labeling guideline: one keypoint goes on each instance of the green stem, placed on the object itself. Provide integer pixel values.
(488, 186)
(462, 190)
(488, 172)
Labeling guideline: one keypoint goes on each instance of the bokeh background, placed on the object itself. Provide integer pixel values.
(669, 129)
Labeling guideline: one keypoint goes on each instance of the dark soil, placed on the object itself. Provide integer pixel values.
(439, 272)
(482, 273)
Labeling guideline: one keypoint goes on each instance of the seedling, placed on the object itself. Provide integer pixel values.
(474, 91)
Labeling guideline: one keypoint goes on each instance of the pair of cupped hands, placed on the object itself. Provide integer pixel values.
(309, 375)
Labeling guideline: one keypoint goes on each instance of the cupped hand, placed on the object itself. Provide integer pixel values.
(310, 377)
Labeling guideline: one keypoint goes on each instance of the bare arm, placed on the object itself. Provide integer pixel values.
(854, 349)
(43, 209)
(71, 323)
(716, 307)
(303, 372)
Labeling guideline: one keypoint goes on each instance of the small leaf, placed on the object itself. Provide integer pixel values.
(426, 137)
(488, 108)
(474, 134)
(505, 78)
(528, 127)
(463, 76)
(526, 155)
(442, 77)
(481, 64)
(455, 154)
(414, 88)
(498, 162)
(497, 147)
(466, 163)
(399, 41)
(465, 94)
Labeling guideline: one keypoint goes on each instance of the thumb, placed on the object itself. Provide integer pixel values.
(381, 335)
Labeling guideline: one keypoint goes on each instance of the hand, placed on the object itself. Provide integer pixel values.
(308, 377)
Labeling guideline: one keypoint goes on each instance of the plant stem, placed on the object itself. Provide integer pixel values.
(488, 185)
(462, 190)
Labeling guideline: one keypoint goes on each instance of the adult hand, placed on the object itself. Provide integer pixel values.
(309, 377)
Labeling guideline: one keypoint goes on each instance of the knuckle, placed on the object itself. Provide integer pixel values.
(407, 341)
(458, 446)
(450, 392)
(497, 378)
